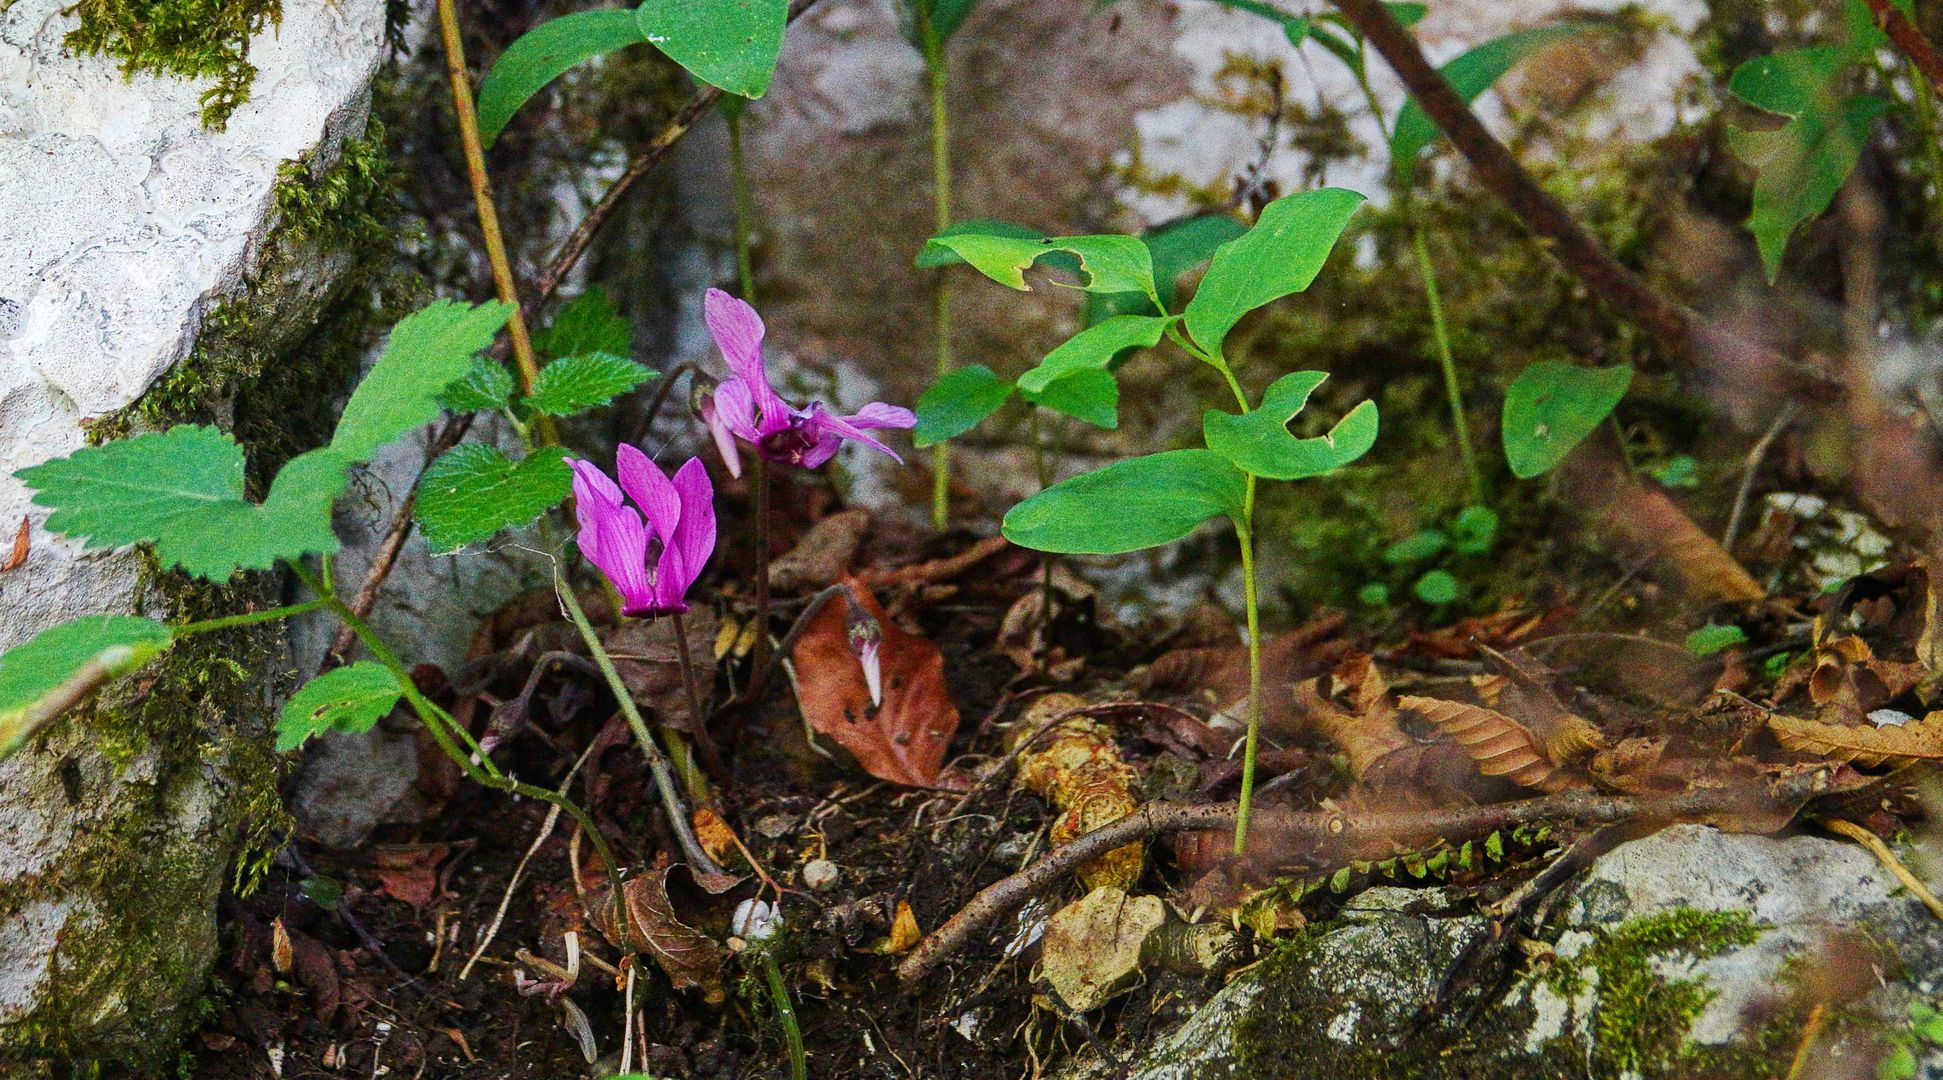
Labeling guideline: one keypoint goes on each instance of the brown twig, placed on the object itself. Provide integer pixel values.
(1909, 39)
(1334, 830)
(1888, 859)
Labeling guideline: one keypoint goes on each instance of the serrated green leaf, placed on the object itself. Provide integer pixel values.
(1139, 503)
(958, 402)
(1281, 255)
(1176, 247)
(589, 323)
(732, 44)
(1552, 406)
(486, 386)
(1095, 348)
(1494, 846)
(1470, 74)
(42, 664)
(543, 54)
(1259, 442)
(1108, 264)
(348, 699)
(578, 383)
(428, 351)
(1339, 881)
(1089, 395)
(472, 491)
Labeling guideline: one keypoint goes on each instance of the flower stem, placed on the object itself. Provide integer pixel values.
(1452, 390)
(739, 181)
(759, 478)
(664, 779)
(1245, 532)
(698, 720)
(799, 1068)
(934, 65)
(251, 618)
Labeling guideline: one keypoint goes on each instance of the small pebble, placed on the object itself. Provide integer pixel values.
(819, 874)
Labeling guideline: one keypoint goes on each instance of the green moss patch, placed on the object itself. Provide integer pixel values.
(194, 39)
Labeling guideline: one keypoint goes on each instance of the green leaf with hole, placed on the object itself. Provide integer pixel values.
(486, 386)
(1259, 443)
(958, 402)
(473, 491)
(1139, 503)
(1107, 264)
(578, 383)
(543, 54)
(935, 254)
(1470, 74)
(1095, 348)
(428, 351)
(348, 699)
(44, 663)
(1089, 395)
(589, 323)
(1552, 406)
(732, 44)
(1176, 248)
(1281, 255)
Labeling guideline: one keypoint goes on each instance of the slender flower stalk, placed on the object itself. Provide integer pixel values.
(745, 272)
(758, 923)
(933, 47)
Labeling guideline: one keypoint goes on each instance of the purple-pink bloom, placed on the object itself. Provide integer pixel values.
(745, 406)
(680, 520)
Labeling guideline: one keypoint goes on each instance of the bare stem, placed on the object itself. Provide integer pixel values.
(759, 478)
(1245, 532)
(934, 64)
(799, 1068)
(1453, 390)
(739, 180)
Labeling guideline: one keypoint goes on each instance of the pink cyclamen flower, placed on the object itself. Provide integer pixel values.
(745, 406)
(680, 519)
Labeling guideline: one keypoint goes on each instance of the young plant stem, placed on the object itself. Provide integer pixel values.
(250, 618)
(658, 765)
(1245, 532)
(1440, 333)
(799, 1068)
(739, 181)
(934, 66)
(524, 358)
(759, 479)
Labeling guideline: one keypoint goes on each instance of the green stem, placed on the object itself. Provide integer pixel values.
(1452, 389)
(739, 181)
(664, 779)
(799, 1068)
(1245, 532)
(227, 622)
(934, 64)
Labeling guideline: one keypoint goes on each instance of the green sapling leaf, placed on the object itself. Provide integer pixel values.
(1108, 264)
(935, 254)
(1552, 406)
(1259, 443)
(578, 383)
(1281, 255)
(1470, 74)
(41, 665)
(1095, 348)
(958, 402)
(472, 491)
(1139, 503)
(543, 54)
(1713, 638)
(1089, 395)
(732, 44)
(1474, 531)
(1176, 247)
(348, 699)
(1417, 547)
(1438, 588)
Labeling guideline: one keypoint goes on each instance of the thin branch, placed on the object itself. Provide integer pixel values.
(1909, 39)
(1789, 410)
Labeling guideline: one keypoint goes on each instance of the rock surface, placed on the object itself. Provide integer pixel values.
(126, 224)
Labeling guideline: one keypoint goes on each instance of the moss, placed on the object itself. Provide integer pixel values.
(193, 39)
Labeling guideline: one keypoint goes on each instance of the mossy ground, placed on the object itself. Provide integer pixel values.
(193, 39)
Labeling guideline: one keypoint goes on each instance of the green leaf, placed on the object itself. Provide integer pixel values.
(1176, 248)
(348, 699)
(1139, 503)
(1713, 638)
(1374, 594)
(1291, 24)
(1552, 406)
(472, 491)
(1437, 587)
(183, 491)
(578, 383)
(1900, 1064)
(1678, 471)
(543, 54)
(1474, 530)
(958, 402)
(1470, 74)
(1802, 164)
(732, 44)
(935, 254)
(486, 386)
(1108, 264)
(43, 663)
(1418, 546)
(1095, 348)
(428, 351)
(1089, 395)
(1259, 443)
(589, 323)
(946, 17)
(1281, 255)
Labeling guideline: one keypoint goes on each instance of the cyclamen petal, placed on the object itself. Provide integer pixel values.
(738, 331)
(680, 514)
(650, 489)
(694, 535)
(611, 535)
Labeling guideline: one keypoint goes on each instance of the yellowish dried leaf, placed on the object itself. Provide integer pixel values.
(1917, 740)
(1500, 745)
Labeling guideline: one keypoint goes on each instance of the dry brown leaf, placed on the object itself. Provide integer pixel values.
(19, 553)
(715, 835)
(644, 654)
(1500, 745)
(1092, 945)
(823, 554)
(1645, 518)
(1365, 736)
(1862, 744)
(904, 739)
(282, 953)
(409, 872)
(1527, 694)
(905, 934)
(690, 958)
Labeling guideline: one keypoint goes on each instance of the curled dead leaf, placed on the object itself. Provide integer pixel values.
(1862, 744)
(1500, 745)
(19, 553)
(690, 958)
(823, 554)
(905, 934)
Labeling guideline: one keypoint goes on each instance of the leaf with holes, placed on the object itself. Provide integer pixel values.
(1107, 264)
(1281, 255)
(1500, 745)
(348, 699)
(1470, 74)
(1552, 406)
(543, 54)
(958, 402)
(473, 491)
(732, 44)
(1176, 248)
(1139, 503)
(88, 647)
(578, 383)
(1259, 442)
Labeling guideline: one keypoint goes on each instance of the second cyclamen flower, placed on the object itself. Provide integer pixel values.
(746, 407)
(680, 519)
